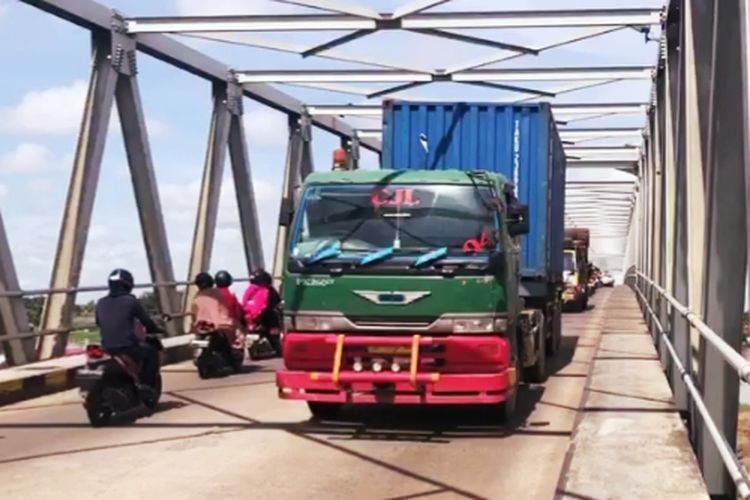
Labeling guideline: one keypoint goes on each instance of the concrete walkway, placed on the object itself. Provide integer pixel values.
(630, 442)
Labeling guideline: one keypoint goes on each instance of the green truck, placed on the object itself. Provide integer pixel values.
(437, 279)
(402, 287)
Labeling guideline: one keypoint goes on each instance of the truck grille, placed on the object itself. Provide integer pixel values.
(393, 322)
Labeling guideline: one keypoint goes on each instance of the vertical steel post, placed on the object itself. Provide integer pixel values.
(352, 157)
(243, 182)
(725, 258)
(680, 330)
(13, 317)
(298, 166)
(138, 150)
(208, 204)
(58, 309)
(658, 195)
(650, 211)
(698, 92)
(306, 166)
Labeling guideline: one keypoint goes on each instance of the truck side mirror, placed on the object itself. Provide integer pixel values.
(518, 219)
(286, 212)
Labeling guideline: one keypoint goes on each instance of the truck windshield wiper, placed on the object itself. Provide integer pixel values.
(329, 251)
(431, 256)
(381, 254)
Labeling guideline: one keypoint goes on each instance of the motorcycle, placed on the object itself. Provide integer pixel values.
(110, 384)
(265, 345)
(212, 353)
(261, 347)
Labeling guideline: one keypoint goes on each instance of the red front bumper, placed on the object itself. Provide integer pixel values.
(445, 370)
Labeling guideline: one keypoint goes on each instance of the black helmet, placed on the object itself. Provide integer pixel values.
(203, 281)
(261, 277)
(120, 281)
(223, 279)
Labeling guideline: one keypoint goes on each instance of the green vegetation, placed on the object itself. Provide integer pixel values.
(84, 336)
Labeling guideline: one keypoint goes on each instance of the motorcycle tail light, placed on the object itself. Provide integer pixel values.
(94, 352)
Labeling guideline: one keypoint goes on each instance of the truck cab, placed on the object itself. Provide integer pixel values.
(403, 287)
(576, 269)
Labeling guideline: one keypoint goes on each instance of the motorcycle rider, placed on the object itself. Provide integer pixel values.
(210, 311)
(117, 316)
(260, 303)
(223, 281)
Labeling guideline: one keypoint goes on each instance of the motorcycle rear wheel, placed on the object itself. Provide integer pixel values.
(97, 414)
(153, 401)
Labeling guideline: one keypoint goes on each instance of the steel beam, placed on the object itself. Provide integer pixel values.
(251, 40)
(725, 257)
(243, 184)
(208, 202)
(92, 15)
(590, 134)
(336, 42)
(298, 135)
(137, 148)
(458, 37)
(13, 317)
(66, 270)
(476, 75)
(560, 110)
(495, 59)
(621, 163)
(442, 20)
(676, 275)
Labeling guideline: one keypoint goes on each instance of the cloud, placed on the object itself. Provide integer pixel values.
(3, 187)
(57, 111)
(30, 157)
(41, 185)
(180, 201)
(26, 157)
(3, 9)
(232, 7)
(265, 127)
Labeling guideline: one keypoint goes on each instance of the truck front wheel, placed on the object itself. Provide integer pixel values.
(324, 411)
(537, 373)
(507, 408)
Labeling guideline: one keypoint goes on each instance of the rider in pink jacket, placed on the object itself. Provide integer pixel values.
(260, 303)
(254, 303)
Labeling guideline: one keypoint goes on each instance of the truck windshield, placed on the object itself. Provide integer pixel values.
(406, 217)
(569, 262)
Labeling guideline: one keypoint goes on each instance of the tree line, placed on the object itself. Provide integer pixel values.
(35, 305)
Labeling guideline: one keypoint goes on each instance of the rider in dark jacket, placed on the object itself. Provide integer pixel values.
(116, 317)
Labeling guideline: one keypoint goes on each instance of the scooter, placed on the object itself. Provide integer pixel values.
(212, 354)
(110, 385)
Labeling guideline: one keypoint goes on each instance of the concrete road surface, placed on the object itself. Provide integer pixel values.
(233, 438)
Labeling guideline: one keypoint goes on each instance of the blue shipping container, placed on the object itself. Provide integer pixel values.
(519, 141)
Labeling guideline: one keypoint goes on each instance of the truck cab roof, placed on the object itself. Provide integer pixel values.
(404, 177)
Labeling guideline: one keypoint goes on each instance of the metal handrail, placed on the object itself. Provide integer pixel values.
(57, 331)
(98, 288)
(731, 462)
(731, 356)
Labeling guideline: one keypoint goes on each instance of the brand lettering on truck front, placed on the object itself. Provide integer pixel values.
(516, 155)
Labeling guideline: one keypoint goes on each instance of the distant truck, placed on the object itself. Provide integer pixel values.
(576, 269)
(414, 284)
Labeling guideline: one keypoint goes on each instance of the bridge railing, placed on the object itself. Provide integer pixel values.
(642, 286)
(66, 329)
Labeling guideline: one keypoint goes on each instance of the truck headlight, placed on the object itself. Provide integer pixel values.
(313, 323)
(473, 325)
